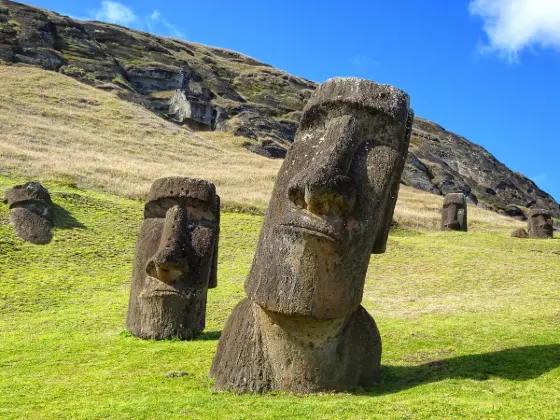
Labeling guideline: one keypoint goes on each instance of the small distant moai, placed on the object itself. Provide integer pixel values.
(540, 225)
(176, 259)
(301, 327)
(30, 207)
(454, 213)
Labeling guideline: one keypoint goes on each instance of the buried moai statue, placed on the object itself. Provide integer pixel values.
(31, 212)
(540, 224)
(302, 328)
(454, 213)
(176, 259)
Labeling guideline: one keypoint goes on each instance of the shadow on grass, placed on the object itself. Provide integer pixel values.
(517, 364)
(209, 336)
(64, 220)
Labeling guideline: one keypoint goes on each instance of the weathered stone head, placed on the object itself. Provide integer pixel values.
(333, 200)
(540, 225)
(176, 259)
(31, 212)
(302, 328)
(454, 213)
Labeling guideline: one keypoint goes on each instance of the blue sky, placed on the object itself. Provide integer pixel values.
(488, 70)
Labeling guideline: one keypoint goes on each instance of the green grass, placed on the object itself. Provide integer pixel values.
(470, 326)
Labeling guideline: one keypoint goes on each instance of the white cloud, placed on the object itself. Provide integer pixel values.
(513, 25)
(363, 62)
(118, 13)
(540, 179)
(115, 12)
(156, 18)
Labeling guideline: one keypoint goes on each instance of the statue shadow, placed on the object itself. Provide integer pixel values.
(208, 336)
(517, 364)
(63, 219)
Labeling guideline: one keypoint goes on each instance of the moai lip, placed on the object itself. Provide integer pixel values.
(331, 208)
(454, 213)
(31, 212)
(176, 259)
(540, 224)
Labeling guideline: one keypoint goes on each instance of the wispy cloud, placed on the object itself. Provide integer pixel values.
(363, 61)
(514, 25)
(114, 12)
(540, 179)
(121, 14)
(156, 18)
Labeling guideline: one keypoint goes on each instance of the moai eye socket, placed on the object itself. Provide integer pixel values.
(157, 209)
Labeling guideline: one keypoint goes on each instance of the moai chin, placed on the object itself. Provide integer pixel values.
(30, 207)
(176, 259)
(302, 328)
(454, 213)
(540, 225)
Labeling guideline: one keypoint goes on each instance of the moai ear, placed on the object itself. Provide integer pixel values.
(213, 282)
(382, 234)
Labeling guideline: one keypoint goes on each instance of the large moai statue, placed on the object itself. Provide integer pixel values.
(302, 328)
(540, 225)
(30, 207)
(176, 259)
(454, 213)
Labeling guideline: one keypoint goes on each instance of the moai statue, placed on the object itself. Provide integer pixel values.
(454, 214)
(302, 328)
(176, 259)
(31, 212)
(540, 225)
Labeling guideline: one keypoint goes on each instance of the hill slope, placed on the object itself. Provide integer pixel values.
(55, 128)
(211, 89)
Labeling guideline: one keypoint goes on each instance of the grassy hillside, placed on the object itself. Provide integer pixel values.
(470, 325)
(55, 128)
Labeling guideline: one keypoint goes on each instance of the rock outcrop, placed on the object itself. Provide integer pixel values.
(216, 89)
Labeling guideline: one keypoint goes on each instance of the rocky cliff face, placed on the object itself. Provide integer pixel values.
(215, 89)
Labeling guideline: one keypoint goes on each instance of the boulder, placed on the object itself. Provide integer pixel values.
(519, 233)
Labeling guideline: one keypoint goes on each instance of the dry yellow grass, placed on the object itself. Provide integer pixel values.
(54, 127)
(422, 211)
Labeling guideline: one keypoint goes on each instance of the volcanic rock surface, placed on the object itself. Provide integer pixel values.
(209, 88)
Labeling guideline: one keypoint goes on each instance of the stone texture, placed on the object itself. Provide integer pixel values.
(176, 259)
(302, 328)
(30, 212)
(454, 213)
(261, 351)
(540, 224)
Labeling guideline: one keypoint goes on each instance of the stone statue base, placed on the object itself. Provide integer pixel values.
(261, 351)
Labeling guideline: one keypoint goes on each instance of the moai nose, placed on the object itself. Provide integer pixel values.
(170, 261)
(325, 188)
(324, 195)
